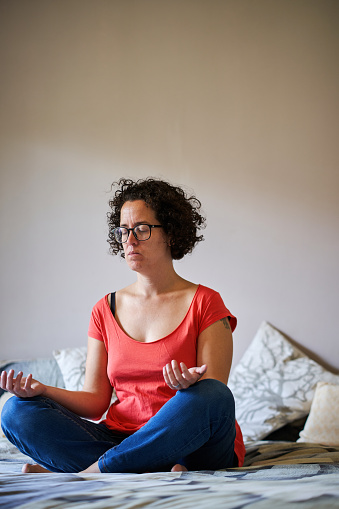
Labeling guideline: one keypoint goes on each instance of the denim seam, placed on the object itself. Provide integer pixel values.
(102, 461)
(71, 419)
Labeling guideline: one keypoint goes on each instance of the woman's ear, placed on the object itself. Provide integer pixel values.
(167, 239)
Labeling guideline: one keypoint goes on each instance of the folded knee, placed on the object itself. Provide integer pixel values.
(210, 387)
(8, 413)
(210, 392)
(15, 412)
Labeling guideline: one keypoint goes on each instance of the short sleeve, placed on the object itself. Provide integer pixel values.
(214, 309)
(95, 329)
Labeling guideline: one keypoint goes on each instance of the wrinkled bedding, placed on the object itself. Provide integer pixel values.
(275, 474)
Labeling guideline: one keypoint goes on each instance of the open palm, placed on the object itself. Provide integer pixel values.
(23, 387)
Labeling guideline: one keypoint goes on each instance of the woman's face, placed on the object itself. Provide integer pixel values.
(148, 254)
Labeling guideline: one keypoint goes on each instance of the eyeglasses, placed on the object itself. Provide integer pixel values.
(141, 232)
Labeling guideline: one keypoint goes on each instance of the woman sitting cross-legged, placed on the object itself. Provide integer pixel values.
(163, 343)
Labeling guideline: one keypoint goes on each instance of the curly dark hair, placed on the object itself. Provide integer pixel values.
(177, 212)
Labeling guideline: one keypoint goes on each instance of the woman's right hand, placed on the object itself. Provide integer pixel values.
(22, 387)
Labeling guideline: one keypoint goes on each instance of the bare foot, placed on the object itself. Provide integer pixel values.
(179, 468)
(91, 469)
(34, 469)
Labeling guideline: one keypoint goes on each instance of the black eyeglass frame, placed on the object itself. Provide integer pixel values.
(135, 235)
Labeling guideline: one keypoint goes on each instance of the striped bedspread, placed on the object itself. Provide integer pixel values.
(275, 475)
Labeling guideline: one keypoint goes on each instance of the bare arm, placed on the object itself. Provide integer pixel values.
(91, 402)
(214, 358)
(215, 348)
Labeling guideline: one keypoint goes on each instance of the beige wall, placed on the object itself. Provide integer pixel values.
(235, 99)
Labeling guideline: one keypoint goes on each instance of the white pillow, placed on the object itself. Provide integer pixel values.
(273, 384)
(322, 425)
(72, 364)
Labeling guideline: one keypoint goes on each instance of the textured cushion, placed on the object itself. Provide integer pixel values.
(72, 364)
(322, 425)
(273, 384)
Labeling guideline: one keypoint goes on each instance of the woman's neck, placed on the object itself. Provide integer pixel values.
(157, 284)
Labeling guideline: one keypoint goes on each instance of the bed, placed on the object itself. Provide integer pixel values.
(292, 456)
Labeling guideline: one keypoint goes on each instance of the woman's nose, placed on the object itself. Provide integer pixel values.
(131, 238)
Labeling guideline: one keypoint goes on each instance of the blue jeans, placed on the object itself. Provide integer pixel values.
(195, 428)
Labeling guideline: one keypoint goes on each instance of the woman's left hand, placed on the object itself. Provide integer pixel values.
(178, 378)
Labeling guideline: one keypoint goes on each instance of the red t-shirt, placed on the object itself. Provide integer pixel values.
(135, 368)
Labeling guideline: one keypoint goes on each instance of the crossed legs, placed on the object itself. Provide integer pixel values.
(194, 430)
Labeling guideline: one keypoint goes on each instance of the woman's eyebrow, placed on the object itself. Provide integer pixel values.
(136, 224)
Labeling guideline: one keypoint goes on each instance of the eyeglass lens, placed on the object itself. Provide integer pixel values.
(141, 232)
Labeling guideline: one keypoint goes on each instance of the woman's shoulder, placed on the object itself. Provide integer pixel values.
(206, 291)
(102, 303)
(212, 302)
(106, 299)
(206, 297)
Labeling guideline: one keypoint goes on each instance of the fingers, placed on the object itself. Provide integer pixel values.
(187, 374)
(7, 380)
(9, 384)
(178, 378)
(179, 375)
(165, 375)
(173, 376)
(15, 385)
(17, 382)
(202, 370)
(28, 382)
(3, 380)
(169, 377)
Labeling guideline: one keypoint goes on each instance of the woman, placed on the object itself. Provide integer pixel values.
(163, 343)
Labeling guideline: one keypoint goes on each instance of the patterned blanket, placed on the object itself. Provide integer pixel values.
(279, 475)
(289, 453)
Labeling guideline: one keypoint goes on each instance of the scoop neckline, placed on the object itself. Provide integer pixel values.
(156, 340)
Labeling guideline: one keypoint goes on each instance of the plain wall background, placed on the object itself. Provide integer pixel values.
(236, 100)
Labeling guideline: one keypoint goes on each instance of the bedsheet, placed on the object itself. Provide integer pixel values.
(279, 475)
